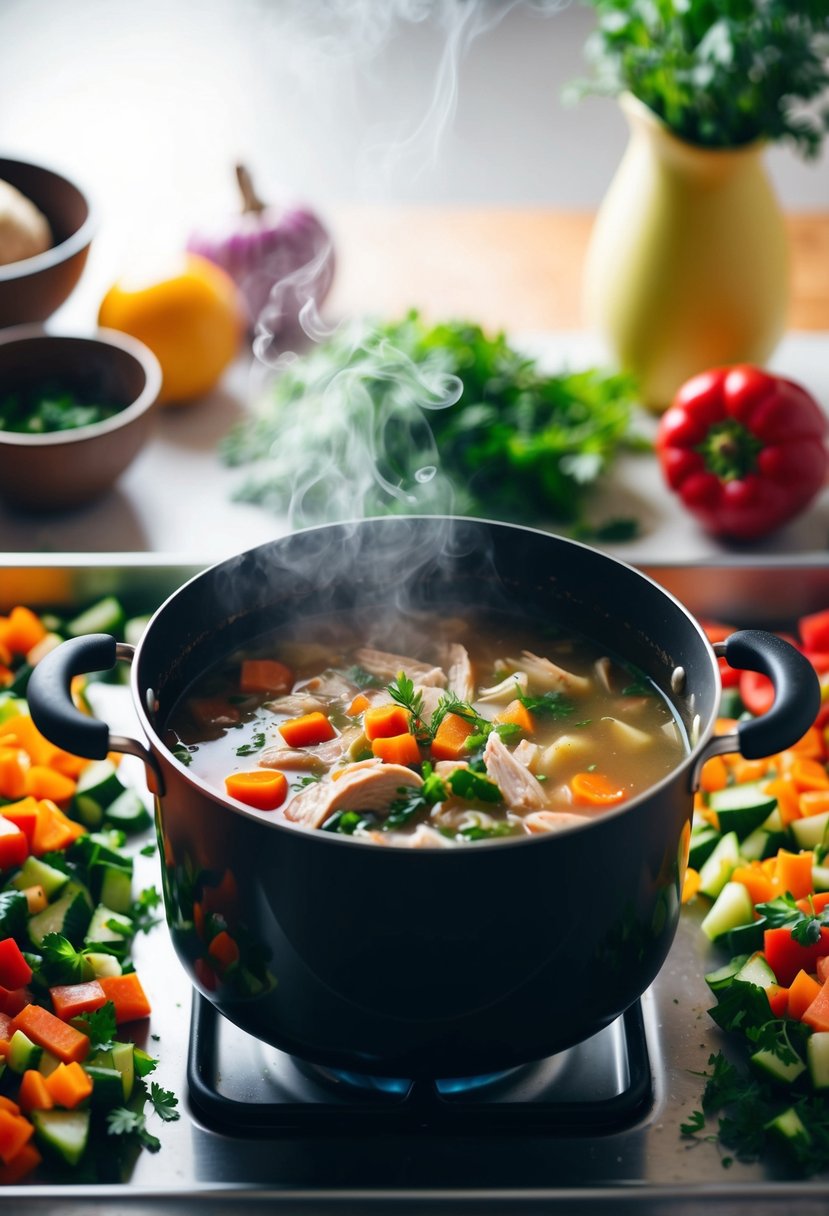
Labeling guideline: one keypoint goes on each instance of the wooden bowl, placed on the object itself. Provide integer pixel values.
(61, 469)
(32, 289)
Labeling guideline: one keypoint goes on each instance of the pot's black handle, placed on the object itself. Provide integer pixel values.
(55, 714)
(50, 700)
(796, 691)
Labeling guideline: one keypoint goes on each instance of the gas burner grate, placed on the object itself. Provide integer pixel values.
(241, 1086)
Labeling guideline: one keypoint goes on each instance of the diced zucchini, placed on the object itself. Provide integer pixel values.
(732, 907)
(108, 1086)
(723, 976)
(106, 616)
(746, 939)
(121, 1057)
(782, 1071)
(817, 1054)
(756, 845)
(48, 1064)
(820, 878)
(755, 970)
(716, 871)
(65, 1132)
(36, 873)
(809, 831)
(116, 888)
(789, 1125)
(128, 812)
(703, 843)
(742, 808)
(774, 823)
(108, 926)
(68, 915)
(102, 964)
(22, 1053)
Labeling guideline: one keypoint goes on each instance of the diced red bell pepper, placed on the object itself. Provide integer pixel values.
(814, 631)
(786, 956)
(14, 847)
(15, 972)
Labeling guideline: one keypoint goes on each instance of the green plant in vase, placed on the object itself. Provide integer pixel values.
(688, 262)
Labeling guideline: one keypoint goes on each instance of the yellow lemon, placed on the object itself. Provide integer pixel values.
(191, 318)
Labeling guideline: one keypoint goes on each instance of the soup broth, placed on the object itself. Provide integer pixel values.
(426, 733)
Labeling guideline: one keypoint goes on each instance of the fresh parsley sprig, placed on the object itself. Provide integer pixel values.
(783, 913)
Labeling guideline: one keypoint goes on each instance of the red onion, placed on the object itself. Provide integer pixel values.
(280, 258)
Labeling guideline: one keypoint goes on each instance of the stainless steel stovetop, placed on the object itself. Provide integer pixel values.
(596, 1129)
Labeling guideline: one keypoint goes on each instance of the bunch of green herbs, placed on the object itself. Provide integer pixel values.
(414, 418)
(719, 73)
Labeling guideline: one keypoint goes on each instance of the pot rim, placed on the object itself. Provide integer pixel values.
(332, 839)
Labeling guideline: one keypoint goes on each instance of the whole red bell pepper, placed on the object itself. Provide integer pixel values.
(744, 450)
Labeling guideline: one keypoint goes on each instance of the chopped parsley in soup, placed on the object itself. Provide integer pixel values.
(433, 734)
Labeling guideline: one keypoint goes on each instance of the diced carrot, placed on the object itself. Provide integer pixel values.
(517, 714)
(399, 749)
(24, 815)
(725, 726)
(54, 830)
(127, 996)
(48, 1031)
(36, 899)
(744, 771)
(262, 788)
(811, 802)
(68, 1085)
(15, 972)
(758, 884)
(794, 873)
(359, 705)
(23, 630)
(386, 721)
(690, 884)
(12, 773)
(778, 999)
(714, 775)
(802, 991)
(8, 1105)
(814, 902)
(808, 774)
(14, 847)
(811, 744)
(26, 735)
(70, 1000)
(21, 1165)
(224, 949)
(307, 730)
(15, 1131)
(817, 1014)
(450, 738)
(788, 799)
(43, 782)
(822, 969)
(595, 789)
(32, 1091)
(265, 675)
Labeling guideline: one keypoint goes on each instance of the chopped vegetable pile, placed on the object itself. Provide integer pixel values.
(47, 408)
(759, 854)
(417, 418)
(74, 1102)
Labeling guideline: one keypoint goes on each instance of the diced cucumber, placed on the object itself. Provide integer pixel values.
(742, 808)
(106, 616)
(22, 1053)
(65, 1132)
(120, 1056)
(723, 976)
(116, 888)
(817, 1053)
(128, 812)
(756, 845)
(36, 873)
(48, 1064)
(732, 907)
(775, 823)
(808, 832)
(108, 926)
(100, 781)
(68, 915)
(716, 871)
(789, 1125)
(820, 878)
(108, 1086)
(87, 811)
(783, 1071)
(746, 939)
(703, 844)
(756, 971)
(103, 965)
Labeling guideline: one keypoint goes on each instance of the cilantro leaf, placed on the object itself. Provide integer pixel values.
(548, 705)
(164, 1102)
(61, 963)
(124, 1122)
(101, 1026)
(144, 1063)
(256, 744)
(142, 911)
(693, 1124)
(783, 912)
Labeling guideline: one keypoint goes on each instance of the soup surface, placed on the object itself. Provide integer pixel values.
(428, 732)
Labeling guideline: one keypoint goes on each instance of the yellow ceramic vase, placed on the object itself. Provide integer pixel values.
(687, 266)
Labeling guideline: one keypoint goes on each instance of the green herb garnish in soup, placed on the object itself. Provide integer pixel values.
(44, 408)
(433, 733)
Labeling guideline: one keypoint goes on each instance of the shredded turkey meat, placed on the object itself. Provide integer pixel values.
(460, 679)
(520, 789)
(388, 666)
(365, 787)
(546, 676)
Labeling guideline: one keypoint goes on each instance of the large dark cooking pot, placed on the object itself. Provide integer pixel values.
(433, 962)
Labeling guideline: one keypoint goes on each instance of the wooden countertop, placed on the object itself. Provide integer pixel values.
(517, 269)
